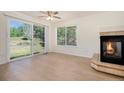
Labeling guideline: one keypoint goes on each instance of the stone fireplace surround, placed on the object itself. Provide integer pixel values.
(107, 67)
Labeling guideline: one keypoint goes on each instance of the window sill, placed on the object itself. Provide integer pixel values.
(67, 46)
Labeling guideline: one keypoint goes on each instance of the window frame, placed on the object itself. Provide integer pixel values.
(66, 45)
(57, 37)
(33, 37)
(8, 19)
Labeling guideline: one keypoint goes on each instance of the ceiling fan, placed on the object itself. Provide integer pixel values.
(50, 15)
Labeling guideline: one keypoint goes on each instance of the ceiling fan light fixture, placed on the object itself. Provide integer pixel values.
(50, 15)
(49, 18)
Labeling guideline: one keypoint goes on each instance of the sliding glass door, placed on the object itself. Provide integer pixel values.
(38, 39)
(20, 39)
(25, 39)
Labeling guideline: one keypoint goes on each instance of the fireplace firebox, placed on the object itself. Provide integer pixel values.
(112, 49)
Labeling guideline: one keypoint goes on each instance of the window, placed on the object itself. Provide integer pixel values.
(66, 36)
(71, 35)
(38, 39)
(25, 39)
(61, 36)
(20, 39)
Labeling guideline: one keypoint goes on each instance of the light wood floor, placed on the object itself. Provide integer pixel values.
(53, 66)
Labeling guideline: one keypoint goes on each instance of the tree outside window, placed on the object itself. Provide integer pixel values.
(66, 36)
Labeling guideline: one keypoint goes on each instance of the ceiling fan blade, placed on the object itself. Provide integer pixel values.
(55, 13)
(49, 14)
(43, 12)
(42, 16)
(57, 17)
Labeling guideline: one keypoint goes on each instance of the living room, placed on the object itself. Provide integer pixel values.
(62, 46)
(70, 35)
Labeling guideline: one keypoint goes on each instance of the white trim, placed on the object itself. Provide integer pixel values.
(46, 40)
(19, 20)
(8, 40)
(31, 37)
(65, 29)
(21, 16)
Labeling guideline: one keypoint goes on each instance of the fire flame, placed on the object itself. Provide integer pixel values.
(110, 49)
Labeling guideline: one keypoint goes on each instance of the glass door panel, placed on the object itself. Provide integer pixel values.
(38, 39)
(20, 39)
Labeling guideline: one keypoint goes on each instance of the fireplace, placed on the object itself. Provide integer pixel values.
(112, 49)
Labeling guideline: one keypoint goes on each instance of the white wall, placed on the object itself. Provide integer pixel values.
(88, 32)
(3, 38)
(4, 32)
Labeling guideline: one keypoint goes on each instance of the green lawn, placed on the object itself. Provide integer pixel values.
(21, 47)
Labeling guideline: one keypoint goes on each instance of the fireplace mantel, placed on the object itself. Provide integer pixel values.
(112, 33)
(108, 67)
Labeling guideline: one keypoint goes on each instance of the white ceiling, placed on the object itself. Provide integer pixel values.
(65, 15)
